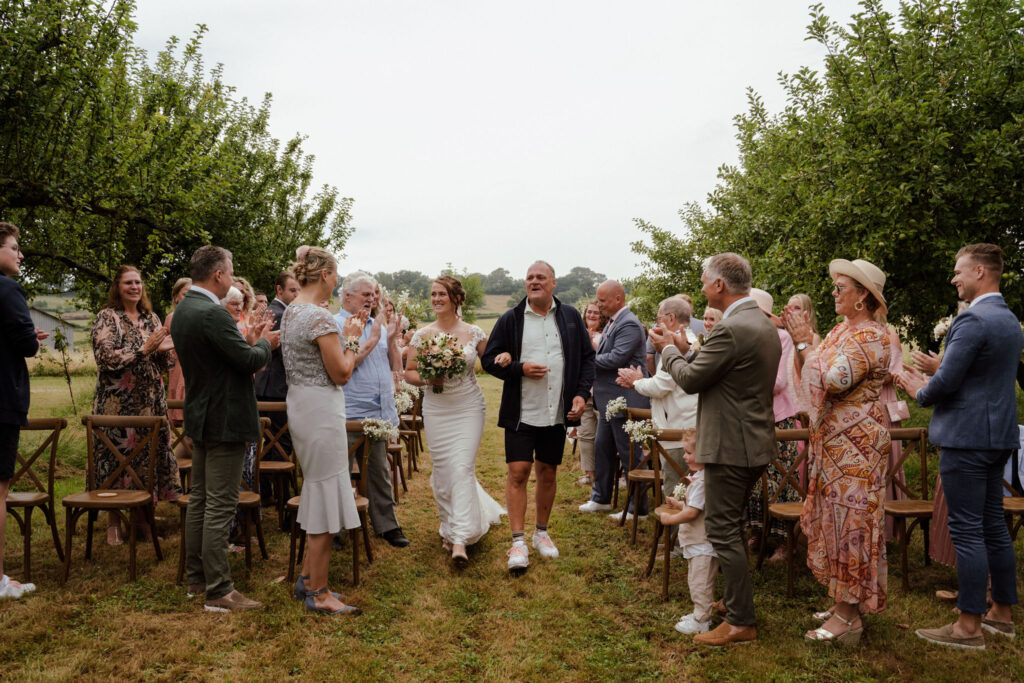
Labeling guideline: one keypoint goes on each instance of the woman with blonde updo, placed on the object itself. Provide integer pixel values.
(317, 362)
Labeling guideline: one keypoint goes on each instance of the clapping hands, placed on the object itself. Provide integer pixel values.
(628, 376)
(355, 323)
(910, 380)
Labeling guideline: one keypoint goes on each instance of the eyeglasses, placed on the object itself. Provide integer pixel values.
(839, 289)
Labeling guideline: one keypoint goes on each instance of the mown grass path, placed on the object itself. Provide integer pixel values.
(587, 616)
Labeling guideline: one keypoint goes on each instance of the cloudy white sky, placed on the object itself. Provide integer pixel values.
(491, 134)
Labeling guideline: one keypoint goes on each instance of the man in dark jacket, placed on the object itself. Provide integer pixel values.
(542, 351)
(19, 339)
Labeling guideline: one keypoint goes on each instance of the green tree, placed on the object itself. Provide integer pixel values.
(413, 281)
(107, 159)
(908, 145)
(474, 287)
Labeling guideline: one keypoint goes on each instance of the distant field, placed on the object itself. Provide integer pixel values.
(494, 303)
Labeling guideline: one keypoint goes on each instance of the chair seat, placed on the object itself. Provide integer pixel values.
(248, 499)
(182, 501)
(362, 504)
(394, 448)
(184, 463)
(658, 511)
(276, 466)
(1011, 505)
(909, 508)
(788, 512)
(101, 499)
(644, 476)
(293, 503)
(26, 499)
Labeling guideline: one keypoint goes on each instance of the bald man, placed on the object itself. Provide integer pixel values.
(622, 345)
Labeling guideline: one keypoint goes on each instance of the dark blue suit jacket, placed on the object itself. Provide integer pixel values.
(973, 389)
(621, 346)
(17, 342)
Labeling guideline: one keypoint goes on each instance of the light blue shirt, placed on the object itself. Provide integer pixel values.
(371, 391)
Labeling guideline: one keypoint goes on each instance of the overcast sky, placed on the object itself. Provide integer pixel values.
(491, 134)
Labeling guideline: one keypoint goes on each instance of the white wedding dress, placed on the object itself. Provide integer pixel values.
(454, 422)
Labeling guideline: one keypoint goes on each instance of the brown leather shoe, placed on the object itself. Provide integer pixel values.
(232, 602)
(726, 634)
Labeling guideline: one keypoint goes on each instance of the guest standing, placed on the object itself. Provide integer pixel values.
(587, 429)
(317, 362)
(843, 514)
(975, 426)
(19, 339)
(220, 418)
(131, 348)
(733, 374)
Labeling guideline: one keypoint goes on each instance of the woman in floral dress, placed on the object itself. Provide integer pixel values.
(843, 514)
(131, 350)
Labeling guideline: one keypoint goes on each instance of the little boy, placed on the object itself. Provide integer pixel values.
(701, 557)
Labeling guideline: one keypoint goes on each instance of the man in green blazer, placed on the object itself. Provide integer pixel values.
(734, 376)
(220, 417)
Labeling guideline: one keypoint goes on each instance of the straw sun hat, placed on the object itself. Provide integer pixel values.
(866, 274)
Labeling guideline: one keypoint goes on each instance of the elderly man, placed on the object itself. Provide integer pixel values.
(974, 424)
(621, 345)
(542, 352)
(673, 315)
(734, 376)
(370, 393)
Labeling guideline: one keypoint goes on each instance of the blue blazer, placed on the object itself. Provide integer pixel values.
(973, 390)
(622, 346)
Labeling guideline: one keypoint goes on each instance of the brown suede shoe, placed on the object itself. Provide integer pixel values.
(723, 635)
(944, 636)
(232, 602)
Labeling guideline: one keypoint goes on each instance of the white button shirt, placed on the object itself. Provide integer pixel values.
(541, 399)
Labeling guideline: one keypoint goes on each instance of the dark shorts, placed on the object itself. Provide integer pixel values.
(9, 435)
(546, 442)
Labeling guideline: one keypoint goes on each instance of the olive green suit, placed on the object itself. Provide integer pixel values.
(220, 417)
(733, 376)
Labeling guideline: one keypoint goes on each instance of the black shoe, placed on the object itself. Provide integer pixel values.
(395, 537)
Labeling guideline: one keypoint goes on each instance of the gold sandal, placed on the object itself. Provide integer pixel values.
(849, 637)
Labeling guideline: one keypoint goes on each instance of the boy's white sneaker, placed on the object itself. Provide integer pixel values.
(544, 545)
(591, 506)
(9, 590)
(690, 626)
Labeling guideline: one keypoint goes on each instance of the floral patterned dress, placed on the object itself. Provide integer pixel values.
(129, 383)
(843, 514)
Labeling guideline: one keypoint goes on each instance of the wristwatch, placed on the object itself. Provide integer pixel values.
(801, 346)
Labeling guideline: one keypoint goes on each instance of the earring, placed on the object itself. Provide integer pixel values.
(859, 306)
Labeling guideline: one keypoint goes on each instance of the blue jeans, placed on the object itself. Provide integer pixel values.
(973, 482)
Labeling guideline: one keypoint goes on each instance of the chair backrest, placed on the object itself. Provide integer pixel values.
(272, 438)
(915, 439)
(94, 429)
(413, 421)
(362, 447)
(658, 453)
(637, 414)
(25, 476)
(255, 488)
(178, 439)
(791, 473)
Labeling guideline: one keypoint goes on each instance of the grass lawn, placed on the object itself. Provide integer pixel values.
(587, 616)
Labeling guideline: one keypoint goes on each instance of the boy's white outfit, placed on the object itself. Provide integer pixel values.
(702, 562)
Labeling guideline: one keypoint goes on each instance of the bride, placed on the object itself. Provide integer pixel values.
(454, 422)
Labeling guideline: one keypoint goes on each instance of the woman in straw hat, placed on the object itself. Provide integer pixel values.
(843, 514)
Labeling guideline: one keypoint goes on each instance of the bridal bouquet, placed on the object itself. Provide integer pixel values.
(616, 406)
(942, 327)
(440, 357)
(641, 432)
(379, 430)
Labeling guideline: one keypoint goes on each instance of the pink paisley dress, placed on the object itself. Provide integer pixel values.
(843, 514)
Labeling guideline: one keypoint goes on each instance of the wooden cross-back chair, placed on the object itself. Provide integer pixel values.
(275, 462)
(917, 507)
(100, 496)
(639, 475)
(181, 445)
(631, 458)
(1013, 507)
(297, 542)
(787, 512)
(410, 432)
(397, 474)
(27, 490)
(661, 535)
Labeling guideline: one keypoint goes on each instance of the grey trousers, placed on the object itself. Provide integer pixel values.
(216, 475)
(728, 488)
(378, 485)
(585, 435)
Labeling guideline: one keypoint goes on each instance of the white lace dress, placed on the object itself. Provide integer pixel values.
(454, 422)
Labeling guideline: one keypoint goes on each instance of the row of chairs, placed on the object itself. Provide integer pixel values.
(909, 514)
(32, 488)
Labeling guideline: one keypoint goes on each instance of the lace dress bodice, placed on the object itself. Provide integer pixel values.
(301, 325)
(468, 378)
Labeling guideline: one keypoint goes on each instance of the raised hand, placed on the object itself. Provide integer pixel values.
(910, 380)
(154, 340)
(42, 334)
(925, 363)
(628, 376)
(354, 324)
(798, 324)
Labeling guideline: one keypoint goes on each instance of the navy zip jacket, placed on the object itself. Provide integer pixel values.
(17, 342)
(577, 355)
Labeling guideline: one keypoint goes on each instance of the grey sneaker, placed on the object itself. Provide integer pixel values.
(232, 602)
(944, 636)
(1001, 628)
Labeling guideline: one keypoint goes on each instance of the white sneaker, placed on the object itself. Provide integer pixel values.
(617, 516)
(591, 506)
(544, 545)
(690, 626)
(9, 590)
(518, 556)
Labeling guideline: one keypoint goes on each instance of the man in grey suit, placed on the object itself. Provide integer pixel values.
(975, 426)
(621, 346)
(734, 376)
(220, 418)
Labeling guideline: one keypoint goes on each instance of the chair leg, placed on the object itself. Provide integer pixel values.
(366, 536)
(926, 528)
(132, 547)
(26, 536)
(279, 494)
(69, 532)
(248, 539)
(150, 512)
(353, 537)
(292, 539)
(629, 496)
(401, 475)
(91, 519)
(51, 519)
(654, 548)
(668, 563)
(181, 547)
(901, 526)
(259, 534)
(790, 555)
(638, 495)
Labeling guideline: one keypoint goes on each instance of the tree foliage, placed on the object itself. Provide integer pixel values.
(906, 147)
(412, 281)
(107, 158)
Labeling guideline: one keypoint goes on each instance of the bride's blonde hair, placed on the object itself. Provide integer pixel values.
(313, 262)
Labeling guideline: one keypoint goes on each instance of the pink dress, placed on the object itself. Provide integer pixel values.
(175, 381)
(888, 393)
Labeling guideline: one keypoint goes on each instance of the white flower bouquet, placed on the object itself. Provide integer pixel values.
(616, 406)
(641, 432)
(441, 357)
(679, 492)
(403, 403)
(406, 388)
(941, 327)
(379, 430)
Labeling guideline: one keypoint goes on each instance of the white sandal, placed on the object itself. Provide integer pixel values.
(849, 637)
